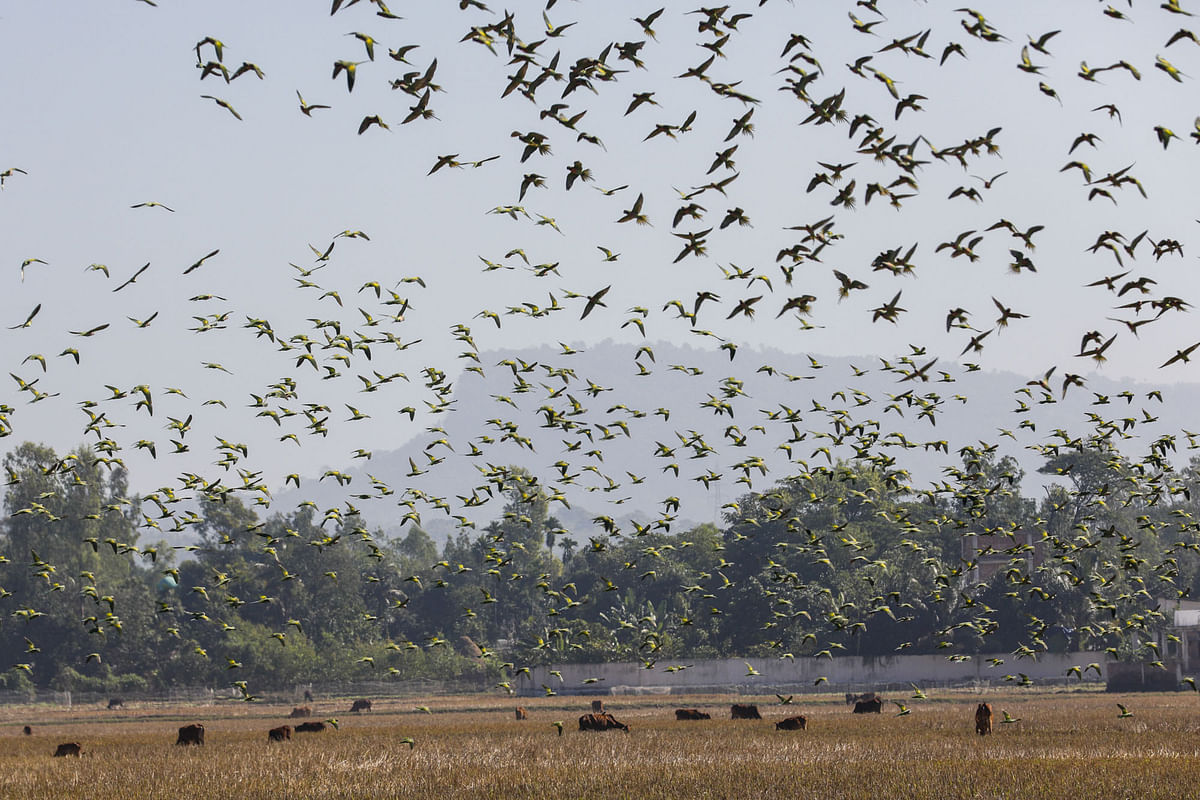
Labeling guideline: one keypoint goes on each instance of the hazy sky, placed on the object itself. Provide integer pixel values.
(103, 110)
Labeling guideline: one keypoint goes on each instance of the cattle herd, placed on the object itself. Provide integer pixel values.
(869, 703)
(193, 734)
(597, 720)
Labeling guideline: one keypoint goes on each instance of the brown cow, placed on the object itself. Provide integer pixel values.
(191, 734)
(792, 724)
(597, 706)
(682, 714)
(361, 704)
(115, 702)
(299, 712)
(279, 734)
(600, 722)
(522, 713)
(744, 711)
(310, 727)
(983, 719)
(872, 706)
(68, 749)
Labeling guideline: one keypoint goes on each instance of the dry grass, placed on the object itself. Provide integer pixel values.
(1066, 745)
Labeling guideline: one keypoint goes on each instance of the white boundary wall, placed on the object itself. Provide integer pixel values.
(847, 672)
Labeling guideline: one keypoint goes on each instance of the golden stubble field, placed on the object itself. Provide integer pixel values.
(1067, 745)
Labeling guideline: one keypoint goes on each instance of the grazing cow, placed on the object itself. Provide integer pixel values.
(68, 749)
(27, 731)
(360, 705)
(310, 727)
(115, 702)
(597, 706)
(600, 722)
(522, 713)
(191, 734)
(682, 714)
(279, 734)
(299, 712)
(983, 719)
(791, 724)
(744, 711)
(872, 706)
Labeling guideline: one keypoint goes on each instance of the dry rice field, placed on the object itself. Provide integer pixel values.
(1066, 745)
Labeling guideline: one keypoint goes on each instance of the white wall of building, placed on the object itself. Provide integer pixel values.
(851, 673)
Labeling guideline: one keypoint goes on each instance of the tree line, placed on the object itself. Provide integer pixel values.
(843, 559)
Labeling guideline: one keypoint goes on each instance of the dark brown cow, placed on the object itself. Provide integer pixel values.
(682, 714)
(873, 706)
(601, 722)
(68, 749)
(310, 727)
(27, 731)
(791, 724)
(522, 713)
(597, 706)
(744, 711)
(308, 698)
(361, 704)
(115, 702)
(191, 734)
(983, 719)
(279, 734)
(299, 712)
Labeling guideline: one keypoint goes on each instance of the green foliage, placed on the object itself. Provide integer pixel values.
(105, 681)
(15, 681)
(842, 559)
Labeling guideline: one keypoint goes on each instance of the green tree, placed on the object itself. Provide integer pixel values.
(74, 596)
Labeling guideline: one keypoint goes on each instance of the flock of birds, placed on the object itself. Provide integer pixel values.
(369, 336)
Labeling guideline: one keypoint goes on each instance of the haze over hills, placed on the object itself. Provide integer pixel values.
(620, 461)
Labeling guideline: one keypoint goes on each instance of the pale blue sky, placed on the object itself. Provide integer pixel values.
(103, 109)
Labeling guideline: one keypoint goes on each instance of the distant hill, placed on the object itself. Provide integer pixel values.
(612, 451)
